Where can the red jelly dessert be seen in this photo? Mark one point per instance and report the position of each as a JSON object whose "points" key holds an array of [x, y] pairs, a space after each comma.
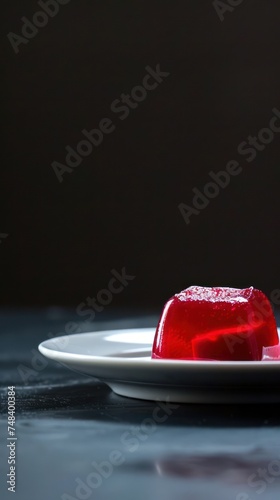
{"points": [[216, 324]]}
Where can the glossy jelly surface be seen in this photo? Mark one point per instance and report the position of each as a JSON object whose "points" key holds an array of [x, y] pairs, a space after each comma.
{"points": [[216, 323]]}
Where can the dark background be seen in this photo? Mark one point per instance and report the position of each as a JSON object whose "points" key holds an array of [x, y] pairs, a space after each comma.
{"points": [[120, 206]]}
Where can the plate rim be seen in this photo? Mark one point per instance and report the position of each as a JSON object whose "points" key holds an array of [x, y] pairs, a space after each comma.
{"points": [[60, 355]]}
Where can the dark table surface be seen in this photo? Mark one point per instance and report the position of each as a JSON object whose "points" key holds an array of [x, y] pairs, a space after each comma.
{"points": [[78, 440]]}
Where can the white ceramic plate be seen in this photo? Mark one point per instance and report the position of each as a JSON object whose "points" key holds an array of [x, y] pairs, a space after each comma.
{"points": [[122, 359]]}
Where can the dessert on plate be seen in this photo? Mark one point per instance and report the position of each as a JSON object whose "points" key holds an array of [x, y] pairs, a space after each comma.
{"points": [[217, 323]]}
